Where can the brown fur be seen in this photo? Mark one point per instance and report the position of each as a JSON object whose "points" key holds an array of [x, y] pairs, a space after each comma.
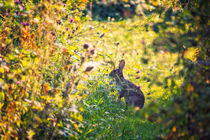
{"points": [[132, 94]]}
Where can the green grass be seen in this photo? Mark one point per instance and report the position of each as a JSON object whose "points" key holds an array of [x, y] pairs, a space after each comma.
{"points": [[104, 116]]}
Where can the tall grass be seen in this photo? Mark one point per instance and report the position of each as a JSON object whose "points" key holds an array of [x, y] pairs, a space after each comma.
{"points": [[107, 118]]}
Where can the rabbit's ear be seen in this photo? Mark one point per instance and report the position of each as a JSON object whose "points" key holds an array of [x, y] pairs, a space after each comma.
{"points": [[122, 64]]}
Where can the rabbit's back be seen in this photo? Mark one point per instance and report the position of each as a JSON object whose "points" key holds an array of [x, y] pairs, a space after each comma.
{"points": [[126, 85]]}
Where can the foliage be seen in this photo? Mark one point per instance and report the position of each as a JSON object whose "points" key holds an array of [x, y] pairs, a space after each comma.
{"points": [[184, 28], [108, 119], [54, 67], [40, 57]]}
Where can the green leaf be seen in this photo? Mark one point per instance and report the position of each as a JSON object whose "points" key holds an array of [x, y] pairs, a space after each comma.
{"points": [[155, 28], [168, 14]]}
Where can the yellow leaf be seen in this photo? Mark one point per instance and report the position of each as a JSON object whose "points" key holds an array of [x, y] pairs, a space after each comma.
{"points": [[76, 126], [1, 105], [18, 123], [1, 70], [137, 108], [30, 71], [30, 133], [24, 63], [174, 129], [6, 86], [81, 109], [155, 2], [80, 118], [2, 96], [90, 130]]}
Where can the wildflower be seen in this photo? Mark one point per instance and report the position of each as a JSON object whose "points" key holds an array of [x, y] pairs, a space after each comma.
{"points": [[53, 33], [92, 52], [82, 59], [71, 20], [89, 68], [102, 35], [24, 23], [18, 82], [46, 87], [22, 7], [138, 71], [139, 87], [17, 1], [68, 62], [138, 77], [70, 68], [65, 51], [66, 67], [118, 43], [39, 46], [21, 14], [69, 84], [7, 14], [86, 46], [142, 41], [64, 4]]}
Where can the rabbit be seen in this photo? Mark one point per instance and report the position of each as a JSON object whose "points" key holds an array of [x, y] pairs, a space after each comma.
{"points": [[132, 94]]}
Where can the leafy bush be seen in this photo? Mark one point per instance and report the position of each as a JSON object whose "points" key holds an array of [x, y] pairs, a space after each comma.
{"points": [[107, 118], [184, 29], [40, 65]]}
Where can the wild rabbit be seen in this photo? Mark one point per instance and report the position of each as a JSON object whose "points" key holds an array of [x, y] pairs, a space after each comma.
{"points": [[132, 94]]}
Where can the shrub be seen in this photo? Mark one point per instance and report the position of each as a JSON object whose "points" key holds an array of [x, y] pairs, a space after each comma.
{"points": [[184, 29], [41, 64]]}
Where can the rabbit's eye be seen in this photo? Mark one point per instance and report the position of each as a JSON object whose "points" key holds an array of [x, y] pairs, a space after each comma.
{"points": [[115, 70]]}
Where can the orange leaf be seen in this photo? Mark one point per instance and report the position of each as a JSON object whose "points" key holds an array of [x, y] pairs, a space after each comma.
{"points": [[190, 88], [174, 129]]}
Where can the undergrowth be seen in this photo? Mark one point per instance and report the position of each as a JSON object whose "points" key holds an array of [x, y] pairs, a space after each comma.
{"points": [[107, 118]]}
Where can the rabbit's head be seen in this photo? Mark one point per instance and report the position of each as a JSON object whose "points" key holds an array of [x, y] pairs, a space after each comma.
{"points": [[118, 73]]}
